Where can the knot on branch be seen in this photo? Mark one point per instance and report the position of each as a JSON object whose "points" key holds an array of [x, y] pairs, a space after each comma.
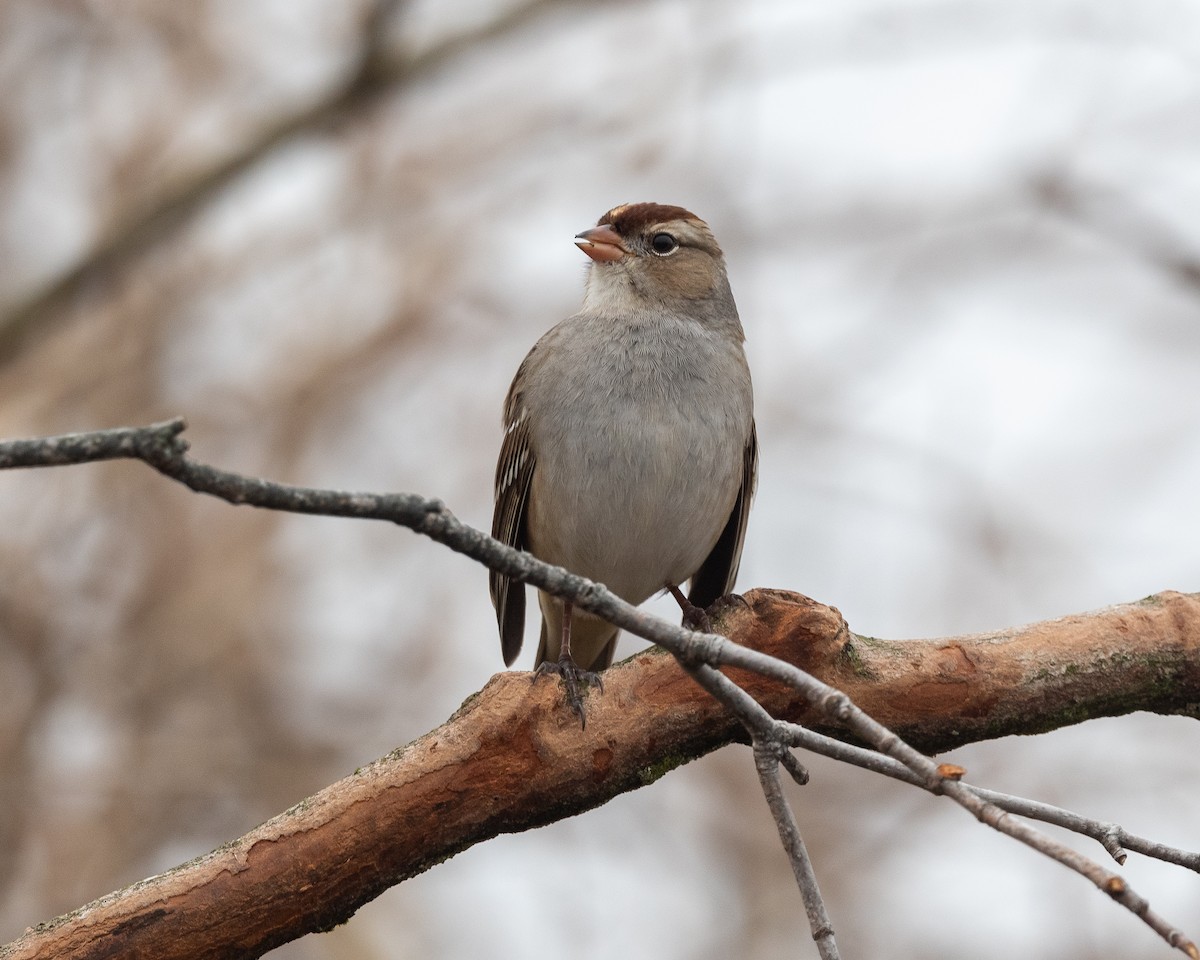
{"points": [[161, 442], [772, 747], [696, 648]]}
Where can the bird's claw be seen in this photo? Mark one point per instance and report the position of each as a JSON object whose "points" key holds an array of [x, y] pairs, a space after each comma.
{"points": [[573, 680], [695, 618], [724, 602]]}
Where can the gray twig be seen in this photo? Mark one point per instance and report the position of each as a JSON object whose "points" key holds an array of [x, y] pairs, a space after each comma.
{"points": [[771, 750], [766, 761], [161, 446], [1113, 837]]}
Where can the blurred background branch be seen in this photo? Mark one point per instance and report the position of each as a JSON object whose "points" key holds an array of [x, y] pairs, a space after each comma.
{"points": [[151, 214]]}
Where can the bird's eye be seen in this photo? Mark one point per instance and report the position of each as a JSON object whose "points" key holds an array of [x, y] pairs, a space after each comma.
{"points": [[663, 244]]}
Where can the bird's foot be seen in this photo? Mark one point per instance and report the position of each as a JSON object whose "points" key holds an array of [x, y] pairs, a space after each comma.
{"points": [[695, 618], [724, 602], [574, 680]]}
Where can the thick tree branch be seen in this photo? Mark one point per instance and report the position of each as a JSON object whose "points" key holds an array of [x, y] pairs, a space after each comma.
{"points": [[513, 758]]}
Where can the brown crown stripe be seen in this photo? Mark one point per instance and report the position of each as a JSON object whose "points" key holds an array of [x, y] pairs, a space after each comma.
{"points": [[632, 218]]}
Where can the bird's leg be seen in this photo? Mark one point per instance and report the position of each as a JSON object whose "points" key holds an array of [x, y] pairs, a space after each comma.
{"points": [[568, 670], [564, 649], [693, 617]]}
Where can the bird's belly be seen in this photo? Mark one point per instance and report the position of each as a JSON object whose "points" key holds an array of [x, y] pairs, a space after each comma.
{"points": [[646, 508]]}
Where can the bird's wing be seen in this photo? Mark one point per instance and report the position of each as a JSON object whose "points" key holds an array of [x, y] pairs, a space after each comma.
{"points": [[514, 473], [717, 574]]}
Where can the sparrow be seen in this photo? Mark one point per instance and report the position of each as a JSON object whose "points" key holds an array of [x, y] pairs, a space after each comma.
{"points": [[630, 452]]}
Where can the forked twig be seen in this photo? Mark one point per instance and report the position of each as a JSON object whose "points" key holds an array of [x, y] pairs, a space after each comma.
{"points": [[161, 446], [770, 751], [1113, 837]]}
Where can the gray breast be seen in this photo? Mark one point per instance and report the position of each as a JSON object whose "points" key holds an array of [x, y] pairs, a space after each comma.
{"points": [[638, 429]]}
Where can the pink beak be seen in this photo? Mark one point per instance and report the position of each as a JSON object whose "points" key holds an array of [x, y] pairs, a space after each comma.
{"points": [[602, 244]]}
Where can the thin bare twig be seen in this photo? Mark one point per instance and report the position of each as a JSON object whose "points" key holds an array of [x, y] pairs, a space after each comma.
{"points": [[772, 736], [767, 757], [1115, 839], [931, 775], [162, 447], [770, 750]]}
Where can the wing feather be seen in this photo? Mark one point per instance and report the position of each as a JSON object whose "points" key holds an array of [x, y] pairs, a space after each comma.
{"points": [[717, 574], [514, 474]]}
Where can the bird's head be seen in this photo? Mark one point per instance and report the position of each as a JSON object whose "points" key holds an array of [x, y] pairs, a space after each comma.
{"points": [[652, 254]]}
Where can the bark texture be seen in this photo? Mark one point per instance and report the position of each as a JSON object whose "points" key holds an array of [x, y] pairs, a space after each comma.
{"points": [[514, 757]]}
